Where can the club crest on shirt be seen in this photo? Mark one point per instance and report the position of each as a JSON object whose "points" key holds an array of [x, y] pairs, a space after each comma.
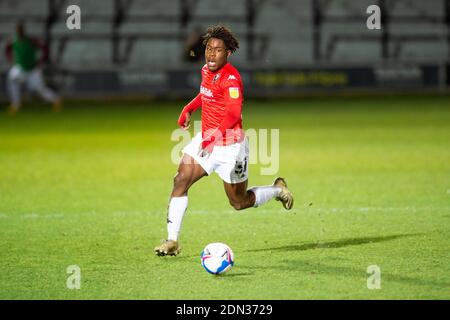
{"points": [[216, 77], [234, 92]]}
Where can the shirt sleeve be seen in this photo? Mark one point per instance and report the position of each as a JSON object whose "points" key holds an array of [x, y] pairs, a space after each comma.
{"points": [[194, 104], [190, 107], [233, 104]]}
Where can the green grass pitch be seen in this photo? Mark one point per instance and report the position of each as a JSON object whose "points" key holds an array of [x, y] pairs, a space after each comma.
{"points": [[89, 187]]}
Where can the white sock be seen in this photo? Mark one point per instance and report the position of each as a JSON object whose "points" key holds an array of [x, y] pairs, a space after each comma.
{"points": [[177, 208], [264, 194]]}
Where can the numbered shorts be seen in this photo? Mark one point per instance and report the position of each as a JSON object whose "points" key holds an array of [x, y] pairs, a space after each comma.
{"points": [[229, 162]]}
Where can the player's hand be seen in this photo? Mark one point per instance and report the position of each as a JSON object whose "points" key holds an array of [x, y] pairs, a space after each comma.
{"points": [[185, 120], [206, 148], [203, 152]]}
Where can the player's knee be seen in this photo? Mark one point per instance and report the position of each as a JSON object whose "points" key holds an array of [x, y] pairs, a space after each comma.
{"points": [[181, 180], [237, 205]]}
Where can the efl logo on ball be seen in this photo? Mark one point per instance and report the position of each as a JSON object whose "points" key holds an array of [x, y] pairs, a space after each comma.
{"points": [[217, 258]]}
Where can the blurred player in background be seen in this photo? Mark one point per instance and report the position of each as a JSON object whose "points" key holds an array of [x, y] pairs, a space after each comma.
{"points": [[22, 53], [195, 49], [221, 146]]}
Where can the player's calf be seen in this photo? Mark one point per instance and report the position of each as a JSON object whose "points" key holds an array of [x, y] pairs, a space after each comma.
{"points": [[181, 183], [241, 203]]}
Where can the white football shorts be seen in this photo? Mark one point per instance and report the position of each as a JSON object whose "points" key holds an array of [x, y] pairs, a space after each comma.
{"points": [[230, 162]]}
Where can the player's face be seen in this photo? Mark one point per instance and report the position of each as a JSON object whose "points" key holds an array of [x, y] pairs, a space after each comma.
{"points": [[216, 54]]}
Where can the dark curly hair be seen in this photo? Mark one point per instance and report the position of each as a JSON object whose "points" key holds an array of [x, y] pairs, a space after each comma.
{"points": [[223, 33]]}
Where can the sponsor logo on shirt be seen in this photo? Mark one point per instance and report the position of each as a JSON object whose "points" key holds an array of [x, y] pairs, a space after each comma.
{"points": [[234, 92], [231, 77], [206, 92]]}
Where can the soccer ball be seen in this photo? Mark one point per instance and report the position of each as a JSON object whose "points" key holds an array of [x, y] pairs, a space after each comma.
{"points": [[217, 258]]}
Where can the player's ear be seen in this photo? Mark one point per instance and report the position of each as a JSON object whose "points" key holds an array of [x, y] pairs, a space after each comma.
{"points": [[228, 53]]}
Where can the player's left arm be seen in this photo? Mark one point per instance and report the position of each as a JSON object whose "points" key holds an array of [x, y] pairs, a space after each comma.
{"points": [[38, 43], [233, 103]]}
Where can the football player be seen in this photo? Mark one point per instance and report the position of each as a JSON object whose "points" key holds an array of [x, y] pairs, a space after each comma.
{"points": [[221, 146], [22, 53]]}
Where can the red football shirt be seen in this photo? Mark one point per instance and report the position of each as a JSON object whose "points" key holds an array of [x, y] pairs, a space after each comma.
{"points": [[221, 98]]}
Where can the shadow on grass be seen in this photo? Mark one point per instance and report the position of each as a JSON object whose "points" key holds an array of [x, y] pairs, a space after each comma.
{"points": [[237, 274], [336, 243], [321, 268], [356, 272]]}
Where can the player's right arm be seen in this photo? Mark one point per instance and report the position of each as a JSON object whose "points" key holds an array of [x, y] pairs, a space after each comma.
{"points": [[9, 52], [185, 116]]}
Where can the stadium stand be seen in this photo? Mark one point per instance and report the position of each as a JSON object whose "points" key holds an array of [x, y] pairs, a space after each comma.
{"points": [[162, 9], [289, 35], [31, 9], [139, 34]]}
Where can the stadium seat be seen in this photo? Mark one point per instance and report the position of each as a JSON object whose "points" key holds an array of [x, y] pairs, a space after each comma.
{"points": [[290, 35], [101, 9], [420, 41], [152, 54], [87, 28], [418, 28], [238, 27], [86, 55], [346, 8], [235, 8], [416, 8], [426, 51], [154, 8], [23, 9], [349, 42], [149, 27]]}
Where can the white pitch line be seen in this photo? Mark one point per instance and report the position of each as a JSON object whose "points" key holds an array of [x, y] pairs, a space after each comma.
{"points": [[300, 210], [367, 209], [30, 216]]}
